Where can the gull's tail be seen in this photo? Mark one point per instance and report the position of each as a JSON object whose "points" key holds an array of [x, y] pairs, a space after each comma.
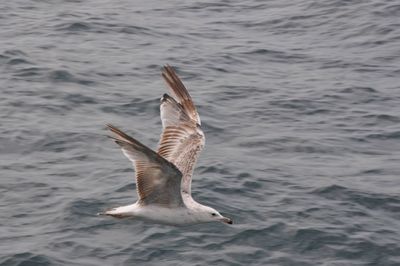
{"points": [[119, 212]]}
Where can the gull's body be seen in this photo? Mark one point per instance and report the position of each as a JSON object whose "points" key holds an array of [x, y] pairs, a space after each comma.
{"points": [[163, 178], [188, 214]]}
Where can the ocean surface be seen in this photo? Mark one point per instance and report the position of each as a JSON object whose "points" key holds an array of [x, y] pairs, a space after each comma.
{"points": [[299, 101]]}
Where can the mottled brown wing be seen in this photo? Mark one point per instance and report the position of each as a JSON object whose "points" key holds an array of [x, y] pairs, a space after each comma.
{"points": [[182, 138], [157, 180]]}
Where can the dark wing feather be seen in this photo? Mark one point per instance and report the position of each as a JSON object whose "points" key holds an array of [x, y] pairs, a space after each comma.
{"points": [[157, 180]]}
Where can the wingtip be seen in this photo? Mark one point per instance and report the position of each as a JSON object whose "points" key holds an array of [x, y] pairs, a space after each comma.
{"points": [[168, 72], [165, 69], [114, 129], [166, 66], [109, 126]]}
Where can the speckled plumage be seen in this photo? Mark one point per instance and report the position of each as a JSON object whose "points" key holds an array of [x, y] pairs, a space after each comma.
{"points": [[163, 178]]}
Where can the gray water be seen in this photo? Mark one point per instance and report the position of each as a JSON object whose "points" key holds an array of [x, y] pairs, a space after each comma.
{"points": [[299, 101]]}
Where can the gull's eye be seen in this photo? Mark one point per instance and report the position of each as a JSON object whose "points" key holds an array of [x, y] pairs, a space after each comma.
{"points": [[213, 214]]}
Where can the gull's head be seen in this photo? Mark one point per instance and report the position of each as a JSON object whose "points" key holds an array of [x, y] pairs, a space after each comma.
{"points": [[211, 215]]}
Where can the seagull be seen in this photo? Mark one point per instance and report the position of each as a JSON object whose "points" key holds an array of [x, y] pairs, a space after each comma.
{"points": [[163, 178]]}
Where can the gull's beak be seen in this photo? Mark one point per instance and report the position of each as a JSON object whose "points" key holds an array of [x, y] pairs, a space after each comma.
{"points": [[226, 220]]}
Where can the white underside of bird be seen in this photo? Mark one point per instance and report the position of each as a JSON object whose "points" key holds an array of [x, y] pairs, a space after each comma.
{"points": [[188, 214], [163, 178]]}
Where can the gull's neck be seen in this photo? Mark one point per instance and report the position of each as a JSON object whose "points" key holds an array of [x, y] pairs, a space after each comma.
{"points": [[190, 202]]}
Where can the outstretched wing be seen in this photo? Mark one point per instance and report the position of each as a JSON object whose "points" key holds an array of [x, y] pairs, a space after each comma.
{"points": [[182, 138], [157, 180]]}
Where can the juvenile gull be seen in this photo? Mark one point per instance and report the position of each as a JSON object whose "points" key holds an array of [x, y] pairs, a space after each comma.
{"points": [[163, 178]]}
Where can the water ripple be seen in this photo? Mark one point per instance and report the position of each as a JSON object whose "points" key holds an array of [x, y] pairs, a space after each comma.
{"points": [[299, 103]]}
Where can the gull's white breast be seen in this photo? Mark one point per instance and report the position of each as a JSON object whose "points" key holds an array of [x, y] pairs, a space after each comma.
{"points": [[175, 216]]}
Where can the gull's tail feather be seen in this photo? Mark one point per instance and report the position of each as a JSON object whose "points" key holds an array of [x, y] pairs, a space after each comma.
{"points": [[115, 212]]}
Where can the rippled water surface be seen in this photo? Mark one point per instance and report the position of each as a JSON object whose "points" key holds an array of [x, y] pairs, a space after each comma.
{"points": [[300, 104]]}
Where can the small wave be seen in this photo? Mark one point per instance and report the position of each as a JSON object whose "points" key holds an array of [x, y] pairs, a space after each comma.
{"points": [[369, 200], [18, 61], [211, 129], [252, 185], [78, 99], [359, 90], [372, 172], [24, 186], [73, 27], [134, 107], [61, 141], [34, 72], [102, 27], [130, 29], [379, 118], [65, 76], [128, 187], [60, 75], [213, 169], [384, 135], [13, 53], [257, 237], [367, 250], [276, 55], [389, 11], [28, 259], [307, 239]]}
